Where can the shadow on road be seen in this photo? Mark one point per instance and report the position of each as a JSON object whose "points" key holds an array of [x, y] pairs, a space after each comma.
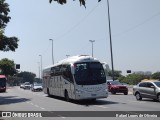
{"points": [[87, 102], [148, 100], [96, 102], [11, 100]]}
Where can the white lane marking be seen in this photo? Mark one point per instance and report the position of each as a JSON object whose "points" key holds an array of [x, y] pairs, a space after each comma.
{"points": [[36, 105], [42, 108], [31, 103]]}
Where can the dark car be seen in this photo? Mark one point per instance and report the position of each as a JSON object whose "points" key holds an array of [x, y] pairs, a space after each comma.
{"points": [[147, 89], [117, 87]]}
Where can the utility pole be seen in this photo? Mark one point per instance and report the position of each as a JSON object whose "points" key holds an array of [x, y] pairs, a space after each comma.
{"points": [[92, 45], [41, 66], [39, 69], [110, 40]]}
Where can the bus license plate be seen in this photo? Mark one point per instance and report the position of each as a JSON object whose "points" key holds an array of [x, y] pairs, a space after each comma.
{"points": [[93, 94]]}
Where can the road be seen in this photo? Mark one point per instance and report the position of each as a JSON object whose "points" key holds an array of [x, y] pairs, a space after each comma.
{"points": [[17, 99]]}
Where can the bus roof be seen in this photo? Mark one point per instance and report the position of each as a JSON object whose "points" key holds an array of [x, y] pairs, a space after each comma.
{"points": [[2, 76], [75, 59]]}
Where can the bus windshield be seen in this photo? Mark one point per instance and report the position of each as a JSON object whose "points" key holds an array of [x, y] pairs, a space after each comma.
{"points": [[89, 73], [2, 82]]}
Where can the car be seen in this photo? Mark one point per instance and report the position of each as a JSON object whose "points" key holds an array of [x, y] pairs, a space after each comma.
{"points": [[114, 86], [36, 87], [125, 84], [27, 85], [22, 85], [147, 89]]}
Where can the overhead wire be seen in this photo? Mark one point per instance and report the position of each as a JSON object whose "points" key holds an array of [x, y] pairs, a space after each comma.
{"points": [[75, 26], [78, 23], [136, 26]]}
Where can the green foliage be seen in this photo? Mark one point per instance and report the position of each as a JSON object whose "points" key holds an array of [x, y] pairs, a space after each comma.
{"points": [[122, 79], [133, 79], [117, 74], [6, 43], [7, 67], [4, 10], [1, 34], [26, 76], [38, 80], [82, 2], [156, 75], [14, 80]]}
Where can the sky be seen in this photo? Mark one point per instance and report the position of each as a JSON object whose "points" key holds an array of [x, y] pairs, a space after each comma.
{"points": [[135, 30]]}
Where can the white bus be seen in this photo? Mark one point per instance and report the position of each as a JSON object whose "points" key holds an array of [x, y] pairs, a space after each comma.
{"points": [[78, 77]]}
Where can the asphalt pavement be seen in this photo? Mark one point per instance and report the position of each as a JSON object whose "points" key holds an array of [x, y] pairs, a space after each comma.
{"points": [[16, 99]]}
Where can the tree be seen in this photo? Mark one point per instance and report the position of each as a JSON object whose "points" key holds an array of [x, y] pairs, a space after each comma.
{"points": [[132, 79], [82, 2], [156, 75], [4, 14], [117, 74], [7, 67], [6, 43], [26, 76]]}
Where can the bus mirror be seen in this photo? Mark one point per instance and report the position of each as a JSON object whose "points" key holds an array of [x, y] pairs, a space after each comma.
{"points": [[72, 69]]}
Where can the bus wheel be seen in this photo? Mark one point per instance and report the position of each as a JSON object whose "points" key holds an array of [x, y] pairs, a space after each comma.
{"points": [[48, 92], [66, 96]]}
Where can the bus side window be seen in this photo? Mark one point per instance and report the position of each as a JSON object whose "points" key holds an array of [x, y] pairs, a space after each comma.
{"points": [[67, 73]]}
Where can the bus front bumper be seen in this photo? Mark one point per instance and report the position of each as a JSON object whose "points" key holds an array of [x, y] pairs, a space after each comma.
{"points": [[84, 96]]}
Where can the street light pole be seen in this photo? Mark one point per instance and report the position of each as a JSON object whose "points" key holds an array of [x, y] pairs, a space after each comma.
{"points": [[110, 40], [41, 65], [92, 45], [39, 69], [52, 51]]}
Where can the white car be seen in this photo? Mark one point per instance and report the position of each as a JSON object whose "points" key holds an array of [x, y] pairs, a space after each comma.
{"points": [[27, 85], [22, 85], [37, 87]]}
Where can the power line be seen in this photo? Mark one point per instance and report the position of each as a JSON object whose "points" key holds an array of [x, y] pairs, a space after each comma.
{"points": [[136, 26], [76, 25]]}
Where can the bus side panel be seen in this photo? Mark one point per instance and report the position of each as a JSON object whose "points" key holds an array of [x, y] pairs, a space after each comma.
{"points": [[72, 89], [45, 86], [61, 87], [66, 86]]}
